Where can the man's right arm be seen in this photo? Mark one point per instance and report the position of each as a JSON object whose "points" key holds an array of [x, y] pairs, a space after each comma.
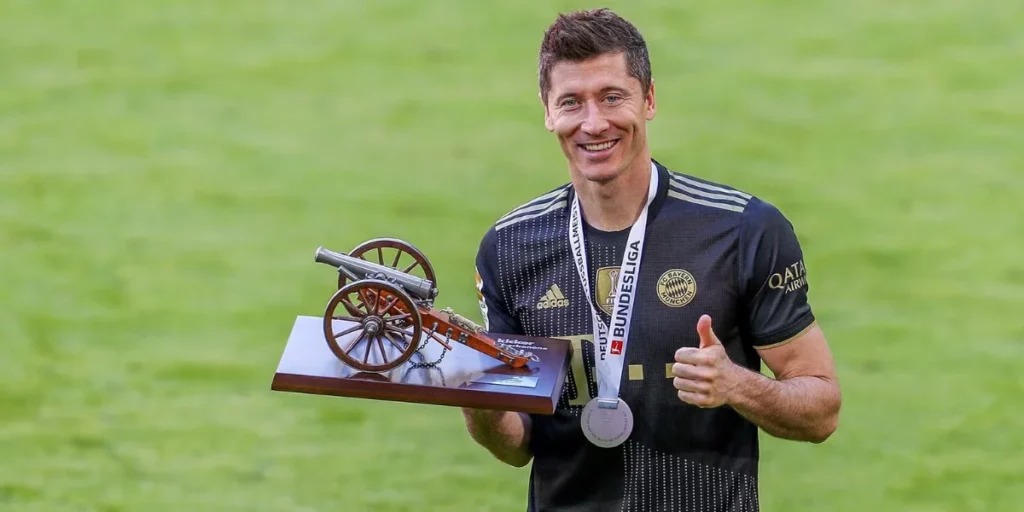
{"points": [[505, 434]]}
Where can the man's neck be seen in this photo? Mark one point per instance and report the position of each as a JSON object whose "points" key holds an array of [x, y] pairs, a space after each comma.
{"points": [[615, 205]]}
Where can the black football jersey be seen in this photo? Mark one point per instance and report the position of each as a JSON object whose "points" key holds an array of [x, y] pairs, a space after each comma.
{"points": [[709, 249]]}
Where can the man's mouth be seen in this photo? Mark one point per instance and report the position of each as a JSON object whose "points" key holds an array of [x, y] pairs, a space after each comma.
{"points": [[600, 146]]}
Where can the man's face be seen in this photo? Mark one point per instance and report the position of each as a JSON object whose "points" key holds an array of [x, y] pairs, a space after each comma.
{"points": [[599, 113]]}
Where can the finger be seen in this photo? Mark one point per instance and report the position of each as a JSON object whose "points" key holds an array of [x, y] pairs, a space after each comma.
{"points": [[691, 386], [707, 335], [694, 398], [690, 355], [692, 372]]}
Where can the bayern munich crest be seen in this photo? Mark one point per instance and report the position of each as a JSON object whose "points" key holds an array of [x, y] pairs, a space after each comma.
{"points": [[676, 288]]}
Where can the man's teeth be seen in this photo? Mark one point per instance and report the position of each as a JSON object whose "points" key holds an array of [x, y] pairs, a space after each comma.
{"points": [[599, 147]]}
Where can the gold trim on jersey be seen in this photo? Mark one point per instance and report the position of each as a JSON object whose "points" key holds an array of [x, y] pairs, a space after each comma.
{"points": [[636, 372], [692, 191], [536, 207], [791, 338]]}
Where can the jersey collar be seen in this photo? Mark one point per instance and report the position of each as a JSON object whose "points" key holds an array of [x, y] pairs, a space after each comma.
{"points": [[659, 197]]}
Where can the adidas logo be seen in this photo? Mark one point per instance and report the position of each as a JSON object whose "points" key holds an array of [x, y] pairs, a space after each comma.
{"points": [[553, 299]]}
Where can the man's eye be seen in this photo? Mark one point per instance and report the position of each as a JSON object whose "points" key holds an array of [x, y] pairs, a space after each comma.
{"points": [[613, 98], [569, 103]]}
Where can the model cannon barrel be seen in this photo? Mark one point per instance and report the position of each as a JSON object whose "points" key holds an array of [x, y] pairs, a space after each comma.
{"points": [[420, 288]]}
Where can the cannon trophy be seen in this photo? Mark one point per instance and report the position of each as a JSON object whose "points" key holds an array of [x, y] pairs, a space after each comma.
{"points": [[388, 309]]}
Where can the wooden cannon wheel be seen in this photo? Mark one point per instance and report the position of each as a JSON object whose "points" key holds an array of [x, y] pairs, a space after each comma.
{"points": [[384, 318]]}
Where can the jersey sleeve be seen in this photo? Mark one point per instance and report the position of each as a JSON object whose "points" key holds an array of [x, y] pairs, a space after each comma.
{"points": [[497, 316], [773, 277]]}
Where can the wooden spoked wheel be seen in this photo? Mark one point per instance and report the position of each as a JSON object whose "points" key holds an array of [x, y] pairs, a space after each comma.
{"points": [[395, 254], [372, 325]]}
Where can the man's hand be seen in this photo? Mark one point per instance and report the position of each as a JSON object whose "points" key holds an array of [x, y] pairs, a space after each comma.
{"points": [[505, 434], [801, 403], [705, 376]]}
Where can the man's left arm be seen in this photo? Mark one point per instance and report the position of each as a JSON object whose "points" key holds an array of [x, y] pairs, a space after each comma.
{"points": [[802, 402]]}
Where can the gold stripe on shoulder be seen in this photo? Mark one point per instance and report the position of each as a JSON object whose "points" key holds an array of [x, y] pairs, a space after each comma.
{"points": [[537, 203], [515, 220], [675, 194], [710, 188], [681, 186]]}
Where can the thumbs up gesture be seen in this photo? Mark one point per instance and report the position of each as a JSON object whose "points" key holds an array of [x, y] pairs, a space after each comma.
{"points": [[704, 375]]}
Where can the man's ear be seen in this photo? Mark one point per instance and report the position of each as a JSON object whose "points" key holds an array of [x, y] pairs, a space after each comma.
{"points": [[548, 123], [650, 105]]}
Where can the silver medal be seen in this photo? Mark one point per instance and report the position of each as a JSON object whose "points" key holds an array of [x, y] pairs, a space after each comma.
{"points": [[607, 423]]}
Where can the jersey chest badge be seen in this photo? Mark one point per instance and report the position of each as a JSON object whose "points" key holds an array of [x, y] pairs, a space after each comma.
{"points": [[676, 288], [604, 287]]}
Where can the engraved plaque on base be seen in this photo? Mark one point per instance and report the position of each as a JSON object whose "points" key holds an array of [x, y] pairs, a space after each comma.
{"points": [[463, 377]]}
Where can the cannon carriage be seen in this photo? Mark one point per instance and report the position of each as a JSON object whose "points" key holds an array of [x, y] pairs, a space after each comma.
{"points": [[382, 308]]}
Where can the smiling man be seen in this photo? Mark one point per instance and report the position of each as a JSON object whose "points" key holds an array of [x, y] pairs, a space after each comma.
{"points": [[673, 291]]}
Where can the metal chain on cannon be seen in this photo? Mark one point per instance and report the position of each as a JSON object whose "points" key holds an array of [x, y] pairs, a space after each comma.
{"points": [[423, 345], [427, 365]]}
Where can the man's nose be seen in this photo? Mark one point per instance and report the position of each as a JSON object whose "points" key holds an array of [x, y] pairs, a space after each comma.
{"points": [[594, 123]]}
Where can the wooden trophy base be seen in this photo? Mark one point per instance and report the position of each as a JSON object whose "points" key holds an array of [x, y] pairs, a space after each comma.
{"points": [[463, 378]]}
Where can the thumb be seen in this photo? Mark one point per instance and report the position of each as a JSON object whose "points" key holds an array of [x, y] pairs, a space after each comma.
{"points": [[707, 336]]}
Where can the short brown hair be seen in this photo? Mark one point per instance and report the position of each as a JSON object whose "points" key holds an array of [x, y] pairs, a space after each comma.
{"points": [[581, 35]]}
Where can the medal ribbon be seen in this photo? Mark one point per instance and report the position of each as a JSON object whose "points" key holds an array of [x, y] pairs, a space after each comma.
{"points": [[611, 341]]}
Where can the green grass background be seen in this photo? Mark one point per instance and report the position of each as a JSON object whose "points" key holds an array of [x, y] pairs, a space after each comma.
{"points": [[167, 168]]}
